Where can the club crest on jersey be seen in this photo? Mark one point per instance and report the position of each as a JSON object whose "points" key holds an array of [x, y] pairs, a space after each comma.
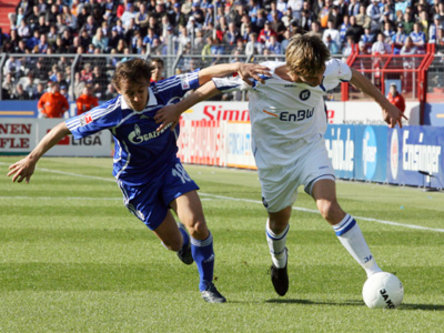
{"points": [[85, 119], [137, 137], [304, 94]]}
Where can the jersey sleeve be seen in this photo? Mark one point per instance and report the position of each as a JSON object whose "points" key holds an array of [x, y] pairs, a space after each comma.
{"points": [[176, 86], [228, 84], [104, 116], [341, 70]]}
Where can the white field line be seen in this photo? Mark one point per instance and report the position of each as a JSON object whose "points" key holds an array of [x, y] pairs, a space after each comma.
{"points": [[222, 197]]}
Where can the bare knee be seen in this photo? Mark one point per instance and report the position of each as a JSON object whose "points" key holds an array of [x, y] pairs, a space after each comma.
{"points": [[173, 244], [197, 228], [278, 221], [330, 210]]}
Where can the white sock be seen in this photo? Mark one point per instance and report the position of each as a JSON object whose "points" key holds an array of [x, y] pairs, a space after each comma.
{"points": [[276, 243], [350, 236]]}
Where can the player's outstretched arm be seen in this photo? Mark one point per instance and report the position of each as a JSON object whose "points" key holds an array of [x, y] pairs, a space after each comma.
{"points": [[245, 70], [392, 115], [171, 113], [24, 168]]}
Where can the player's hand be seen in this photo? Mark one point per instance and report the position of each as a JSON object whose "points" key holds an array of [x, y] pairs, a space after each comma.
{"points": [[167, 115], [392, 115], [21, 170], [253, 71]]}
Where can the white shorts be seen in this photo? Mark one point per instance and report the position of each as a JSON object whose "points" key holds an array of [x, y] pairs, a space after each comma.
{"points": [[279, 185]]}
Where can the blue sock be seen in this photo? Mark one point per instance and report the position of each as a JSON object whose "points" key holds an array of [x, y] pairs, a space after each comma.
{"points": [[185, 236], [203, 255]]}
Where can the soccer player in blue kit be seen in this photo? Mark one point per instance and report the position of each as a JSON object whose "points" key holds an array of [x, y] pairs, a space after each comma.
{"points": [[147, 170]]}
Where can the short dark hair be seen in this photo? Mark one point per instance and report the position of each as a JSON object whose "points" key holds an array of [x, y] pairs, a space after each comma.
{"points": [[133, 70]]}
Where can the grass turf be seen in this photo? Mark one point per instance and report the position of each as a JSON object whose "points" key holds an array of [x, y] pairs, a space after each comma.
{"points": [[73, 259]]}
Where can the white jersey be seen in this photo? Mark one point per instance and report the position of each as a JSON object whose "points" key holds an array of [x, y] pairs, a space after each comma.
{"points": [[285, 114]]}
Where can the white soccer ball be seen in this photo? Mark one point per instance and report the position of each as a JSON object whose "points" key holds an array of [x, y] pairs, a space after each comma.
{"points": [[382, 290]]}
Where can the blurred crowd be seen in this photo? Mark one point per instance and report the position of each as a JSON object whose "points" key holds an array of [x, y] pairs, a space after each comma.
{"points": [[206, 28]]}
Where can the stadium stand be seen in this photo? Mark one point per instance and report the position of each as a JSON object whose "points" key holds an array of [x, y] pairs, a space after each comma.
{"points": [[61, 38], [7, 7]]}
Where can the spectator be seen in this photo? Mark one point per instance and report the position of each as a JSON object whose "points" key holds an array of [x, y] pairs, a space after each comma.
{"points": [[380, 46], [408, 23], [157, 66], [232, 34], [20, 93], [86, 101], [266, 32], [362, 19], [100, 41], [374, 12], [8, 86], [368, 37], [332, 45], [141, 18], [354, 8], [23, 30], [435, 30], [343, 29], [129, 15], [110, 92], [408, 48], [33, 18], [273, 46], [38, 91], [388, 32], [395, 97], [306, 20], [86, 73], [99, 80], [418, 36], [332, 34], [399, 38], [52, 104]]}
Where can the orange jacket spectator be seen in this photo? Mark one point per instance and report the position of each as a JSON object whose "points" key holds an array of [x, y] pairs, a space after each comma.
{"points": [[86, 101], [53, 104], [396, 98]]}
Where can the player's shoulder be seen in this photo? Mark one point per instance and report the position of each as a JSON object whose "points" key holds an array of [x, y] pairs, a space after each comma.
{"points": [[336, 67], [272, 65]]}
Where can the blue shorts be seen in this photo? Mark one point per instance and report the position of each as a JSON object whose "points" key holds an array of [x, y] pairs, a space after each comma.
{"points": [[150, 202]]}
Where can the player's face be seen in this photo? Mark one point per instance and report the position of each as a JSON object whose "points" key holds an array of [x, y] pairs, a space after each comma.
{"points": [[312, 80], [135, 94]]}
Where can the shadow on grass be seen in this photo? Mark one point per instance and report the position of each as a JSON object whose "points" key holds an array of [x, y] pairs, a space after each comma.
{"points": [[404, 306], [309, 302]]}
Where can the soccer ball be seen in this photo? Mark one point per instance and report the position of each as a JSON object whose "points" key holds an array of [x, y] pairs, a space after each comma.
{"points": [[382, 290]]}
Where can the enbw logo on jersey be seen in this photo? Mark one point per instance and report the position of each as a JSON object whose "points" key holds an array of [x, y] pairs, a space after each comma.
{"points": [[369, 153], [304, 94]]}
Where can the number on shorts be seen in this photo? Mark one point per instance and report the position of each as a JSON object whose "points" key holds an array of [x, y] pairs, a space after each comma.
{"points": [[179, 171]]}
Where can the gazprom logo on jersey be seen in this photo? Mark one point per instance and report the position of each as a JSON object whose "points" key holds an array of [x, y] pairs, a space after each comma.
{"points": [[369, 153], [137, 137]]}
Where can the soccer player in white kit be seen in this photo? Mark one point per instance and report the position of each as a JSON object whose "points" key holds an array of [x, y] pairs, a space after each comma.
{"points": [[288, 123]]}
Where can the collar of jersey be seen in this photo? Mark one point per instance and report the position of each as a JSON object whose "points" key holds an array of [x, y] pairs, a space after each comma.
{"points": [[152, 100]]}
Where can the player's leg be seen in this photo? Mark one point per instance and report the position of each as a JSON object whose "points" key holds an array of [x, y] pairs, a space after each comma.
{"points": [[189, 210], [276, 232], [169, 233], [279, 192], [344, 225]]}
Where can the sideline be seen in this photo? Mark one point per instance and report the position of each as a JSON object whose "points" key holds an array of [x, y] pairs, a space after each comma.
{"points": [[209, 195]]}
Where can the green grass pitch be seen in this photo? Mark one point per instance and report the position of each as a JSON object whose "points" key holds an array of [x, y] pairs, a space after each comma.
{"points": [[73, 259]]}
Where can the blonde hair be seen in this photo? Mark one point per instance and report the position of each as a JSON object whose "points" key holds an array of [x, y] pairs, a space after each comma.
{"points": [[306, 54]]}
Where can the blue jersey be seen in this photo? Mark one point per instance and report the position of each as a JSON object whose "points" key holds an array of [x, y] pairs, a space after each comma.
{"points": [[141, 153]]}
